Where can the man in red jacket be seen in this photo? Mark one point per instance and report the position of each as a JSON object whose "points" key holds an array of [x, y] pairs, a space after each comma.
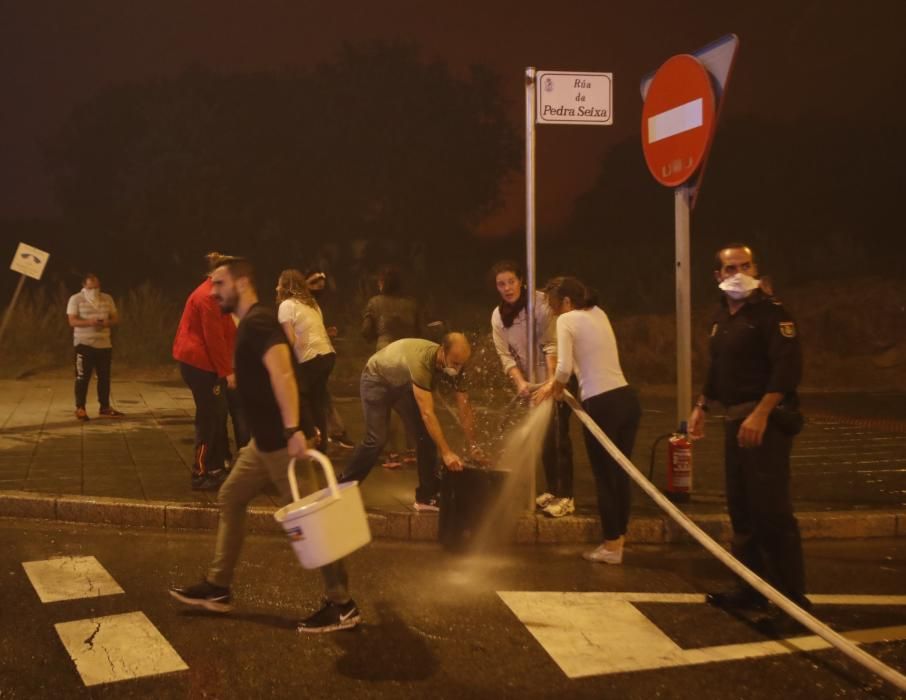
{"points": [[204, 346]]}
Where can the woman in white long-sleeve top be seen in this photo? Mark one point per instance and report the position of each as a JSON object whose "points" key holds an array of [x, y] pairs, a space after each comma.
{"points": [[508, 328], [587, 346]]}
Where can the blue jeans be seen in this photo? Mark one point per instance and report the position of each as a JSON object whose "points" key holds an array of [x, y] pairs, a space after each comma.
{"points": [[378, 398]]}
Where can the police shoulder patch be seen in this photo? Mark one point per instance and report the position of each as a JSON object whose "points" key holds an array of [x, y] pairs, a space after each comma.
{"points": [[788, 329]]}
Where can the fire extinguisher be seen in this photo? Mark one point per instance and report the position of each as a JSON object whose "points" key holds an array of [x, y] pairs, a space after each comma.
{"points": [[679, 464]]}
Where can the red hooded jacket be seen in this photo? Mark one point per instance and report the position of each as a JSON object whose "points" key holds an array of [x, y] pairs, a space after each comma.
{"points": [[206, 336]]}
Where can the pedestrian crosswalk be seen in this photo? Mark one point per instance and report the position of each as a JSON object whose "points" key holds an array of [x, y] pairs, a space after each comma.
{"points": [[599, 633], [104, 649]]}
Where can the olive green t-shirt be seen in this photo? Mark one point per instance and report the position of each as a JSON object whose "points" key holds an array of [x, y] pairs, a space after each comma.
{"points": [[410, 360]]}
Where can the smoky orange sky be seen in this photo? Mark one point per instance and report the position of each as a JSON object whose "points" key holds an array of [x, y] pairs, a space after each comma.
{"points": [[796, 58]]}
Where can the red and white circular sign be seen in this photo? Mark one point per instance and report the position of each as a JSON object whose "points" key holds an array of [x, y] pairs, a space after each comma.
{"points": [[678, 120]]}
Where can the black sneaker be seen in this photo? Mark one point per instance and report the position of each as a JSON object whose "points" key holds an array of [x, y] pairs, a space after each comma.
{"points": [[738, 599], [332, 617], [210, 481], [108, 412], [204, 595]]}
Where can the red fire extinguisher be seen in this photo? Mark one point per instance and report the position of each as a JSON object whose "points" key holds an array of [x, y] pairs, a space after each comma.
{"points": [[679, 464]]}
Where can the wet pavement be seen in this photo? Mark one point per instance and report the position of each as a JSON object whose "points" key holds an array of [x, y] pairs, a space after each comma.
{"points": [[532, 622], [851, 455]]}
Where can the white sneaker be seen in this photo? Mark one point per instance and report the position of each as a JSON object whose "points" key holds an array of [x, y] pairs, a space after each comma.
{"points": [[603, 556], [560, 507], [544, 500], [432, 506]]}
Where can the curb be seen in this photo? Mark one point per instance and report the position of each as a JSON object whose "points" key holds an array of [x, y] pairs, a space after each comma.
{"points": [[422, 527]]}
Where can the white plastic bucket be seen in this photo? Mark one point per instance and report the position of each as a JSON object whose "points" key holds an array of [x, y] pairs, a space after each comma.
{"points": [[328, 524]]}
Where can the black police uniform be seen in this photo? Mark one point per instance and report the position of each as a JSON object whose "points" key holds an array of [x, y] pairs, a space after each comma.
{"points": [[754, 352]]}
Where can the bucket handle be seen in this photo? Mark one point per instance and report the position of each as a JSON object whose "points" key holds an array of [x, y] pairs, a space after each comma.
{"points": [[326, 467]]}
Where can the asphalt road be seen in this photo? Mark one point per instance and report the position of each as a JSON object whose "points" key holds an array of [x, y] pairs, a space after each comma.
{"points": [[521, 624]]}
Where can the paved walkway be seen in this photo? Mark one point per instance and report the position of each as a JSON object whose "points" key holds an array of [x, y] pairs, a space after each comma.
{"points": [[840, 462]]}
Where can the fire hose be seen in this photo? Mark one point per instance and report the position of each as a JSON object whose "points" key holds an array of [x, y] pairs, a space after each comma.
{"points": [[807, 620]]}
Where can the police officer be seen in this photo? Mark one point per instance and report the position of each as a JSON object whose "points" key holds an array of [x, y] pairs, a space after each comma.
{"points": [[755, 367]]}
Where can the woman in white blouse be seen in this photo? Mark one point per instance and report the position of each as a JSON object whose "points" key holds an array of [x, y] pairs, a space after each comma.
{"points": [[303, 323], [587, 347]]}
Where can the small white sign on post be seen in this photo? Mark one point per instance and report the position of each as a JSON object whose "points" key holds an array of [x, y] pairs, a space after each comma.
{"points": [[574, 98], [29, 261]]}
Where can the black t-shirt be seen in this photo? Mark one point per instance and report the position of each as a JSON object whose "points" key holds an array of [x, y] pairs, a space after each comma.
{"points": [[754, 352], [258, 332]]}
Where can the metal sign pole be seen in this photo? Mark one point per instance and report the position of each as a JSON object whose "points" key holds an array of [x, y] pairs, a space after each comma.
{"points": [[681, 198], [530, 241], [530, 216], [12, 305]]}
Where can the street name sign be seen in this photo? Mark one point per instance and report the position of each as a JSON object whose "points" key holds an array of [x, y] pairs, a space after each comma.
{"points": [[574, 98]]}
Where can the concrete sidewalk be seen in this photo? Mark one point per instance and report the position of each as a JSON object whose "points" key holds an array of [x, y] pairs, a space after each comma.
{"points": [[135, 470]]}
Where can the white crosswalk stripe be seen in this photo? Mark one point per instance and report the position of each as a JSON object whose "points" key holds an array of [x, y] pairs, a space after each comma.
{"points": [[70, 578], [118, 648]]}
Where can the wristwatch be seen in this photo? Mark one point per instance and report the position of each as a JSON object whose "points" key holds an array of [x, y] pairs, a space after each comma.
{"points": [[289, 432]]}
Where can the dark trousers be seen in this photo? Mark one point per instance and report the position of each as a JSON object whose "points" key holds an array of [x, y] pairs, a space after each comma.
{"points": [[557, 451], [765, 531], [312, 376], [378, 399], [211, 442], [87, 361], [618, 413]]}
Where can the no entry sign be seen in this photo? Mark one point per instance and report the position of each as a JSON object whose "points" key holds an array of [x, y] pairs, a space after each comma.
{"points": [[678, 120]]}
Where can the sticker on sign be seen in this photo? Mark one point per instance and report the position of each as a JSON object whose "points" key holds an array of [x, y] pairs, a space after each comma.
{"points": [[29, 261], [574, 98]]}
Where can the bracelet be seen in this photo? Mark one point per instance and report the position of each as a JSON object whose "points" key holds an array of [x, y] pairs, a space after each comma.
{"points": [[289, 432]]}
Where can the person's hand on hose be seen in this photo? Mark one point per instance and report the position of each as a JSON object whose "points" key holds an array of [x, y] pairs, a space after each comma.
{"points": [[542, 393], [452, 461], [523, 388]]}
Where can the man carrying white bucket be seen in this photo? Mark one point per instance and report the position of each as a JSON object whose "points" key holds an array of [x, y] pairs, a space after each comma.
{"points": [[267, 390], [402, 376]]}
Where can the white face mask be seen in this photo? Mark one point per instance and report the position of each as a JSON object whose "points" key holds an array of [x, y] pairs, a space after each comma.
{"points": [[451, 371], [91, 294], [739, 286]]}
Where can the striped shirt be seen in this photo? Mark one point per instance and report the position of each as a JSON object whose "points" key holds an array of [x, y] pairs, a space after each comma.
{"points": [[80, 307]]}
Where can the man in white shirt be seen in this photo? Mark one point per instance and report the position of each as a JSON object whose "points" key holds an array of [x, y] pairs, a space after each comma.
{"points": [[91, 315]]}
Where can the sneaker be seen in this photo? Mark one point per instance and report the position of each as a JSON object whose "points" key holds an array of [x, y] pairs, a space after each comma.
{"points": [[603, 555], [560, 507], [82, 415], [109, 412], [210, 481], [544, 500], [204, 595], [342, 441], [332, 617], [430, 506], [409, 457], [741, 598]]}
